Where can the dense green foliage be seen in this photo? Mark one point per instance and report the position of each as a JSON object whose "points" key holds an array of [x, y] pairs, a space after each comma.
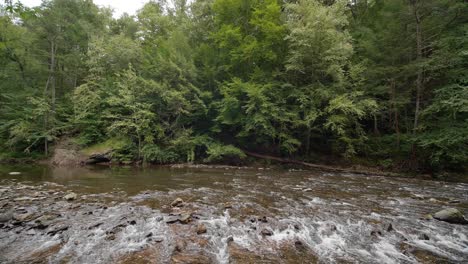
{"points": [[381, 80]]}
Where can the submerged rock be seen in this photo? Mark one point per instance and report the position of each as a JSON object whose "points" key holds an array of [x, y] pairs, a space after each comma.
{"points": [[201, 229], [424, 237], [451, 215]]}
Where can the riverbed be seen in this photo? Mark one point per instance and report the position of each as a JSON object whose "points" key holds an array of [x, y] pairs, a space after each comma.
{"points": [[225, 215]]}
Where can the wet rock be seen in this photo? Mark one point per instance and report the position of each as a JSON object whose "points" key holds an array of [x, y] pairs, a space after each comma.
{"points": [[427, 217], [227, 205], [299, 245], [70, 196], [23, 199], [95, 226], [172, 219], [5, 217], [180, 245], [26, 217], [185, 218], [132, 222], [424, 237], [201, 229], [389, 228], [454, 201], [57, 229], [266, 232], [263, 219], [376, 233], [451, 215], [177, 202], [110, 237], [44, 221]]}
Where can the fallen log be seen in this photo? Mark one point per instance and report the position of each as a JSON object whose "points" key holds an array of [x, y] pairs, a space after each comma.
{"points": [[320, 167]]}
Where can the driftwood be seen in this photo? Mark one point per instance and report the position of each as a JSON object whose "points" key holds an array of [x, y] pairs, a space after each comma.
{"points": [[320, 167]]}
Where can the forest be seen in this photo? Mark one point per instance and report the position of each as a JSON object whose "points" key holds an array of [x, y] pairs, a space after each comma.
{"points": [[375, 82]]}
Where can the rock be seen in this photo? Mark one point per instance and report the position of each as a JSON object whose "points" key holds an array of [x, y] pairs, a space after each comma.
{"points": [[454, 201], [263, 219], [22, 199], [149, 235], [266, 232], [158, 239], [180, 246], [133, 222], [424, 237], [389, 228], [451, 215], [6, 217], [227, 205], [70, 196], [376, 233], [201, 229], [230, 239], [427, 217], [26, 217], [185, 218], [177, 202], [299, 245], [14, 173], [103, 157], [172, 219], [57, 229]]}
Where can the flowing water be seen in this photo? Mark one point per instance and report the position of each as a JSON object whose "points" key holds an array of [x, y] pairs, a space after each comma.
{"points": [[124, 215]]}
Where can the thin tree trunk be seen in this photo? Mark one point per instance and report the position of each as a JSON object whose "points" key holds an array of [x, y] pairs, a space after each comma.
{"points": [[396, 124], [419, 79]]}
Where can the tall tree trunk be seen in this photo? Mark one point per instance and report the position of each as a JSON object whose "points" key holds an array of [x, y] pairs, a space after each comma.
{"points": [[396, 124], [49, 115], [419, 79]]}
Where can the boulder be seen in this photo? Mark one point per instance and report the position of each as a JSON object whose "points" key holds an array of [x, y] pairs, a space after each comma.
{"points": [[451, 215]]}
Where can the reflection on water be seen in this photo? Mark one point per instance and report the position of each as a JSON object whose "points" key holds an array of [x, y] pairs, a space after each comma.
{"points": [[251, 216]]}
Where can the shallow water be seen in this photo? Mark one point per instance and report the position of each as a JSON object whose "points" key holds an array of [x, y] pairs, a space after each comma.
{"points": [[251, 216]]}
